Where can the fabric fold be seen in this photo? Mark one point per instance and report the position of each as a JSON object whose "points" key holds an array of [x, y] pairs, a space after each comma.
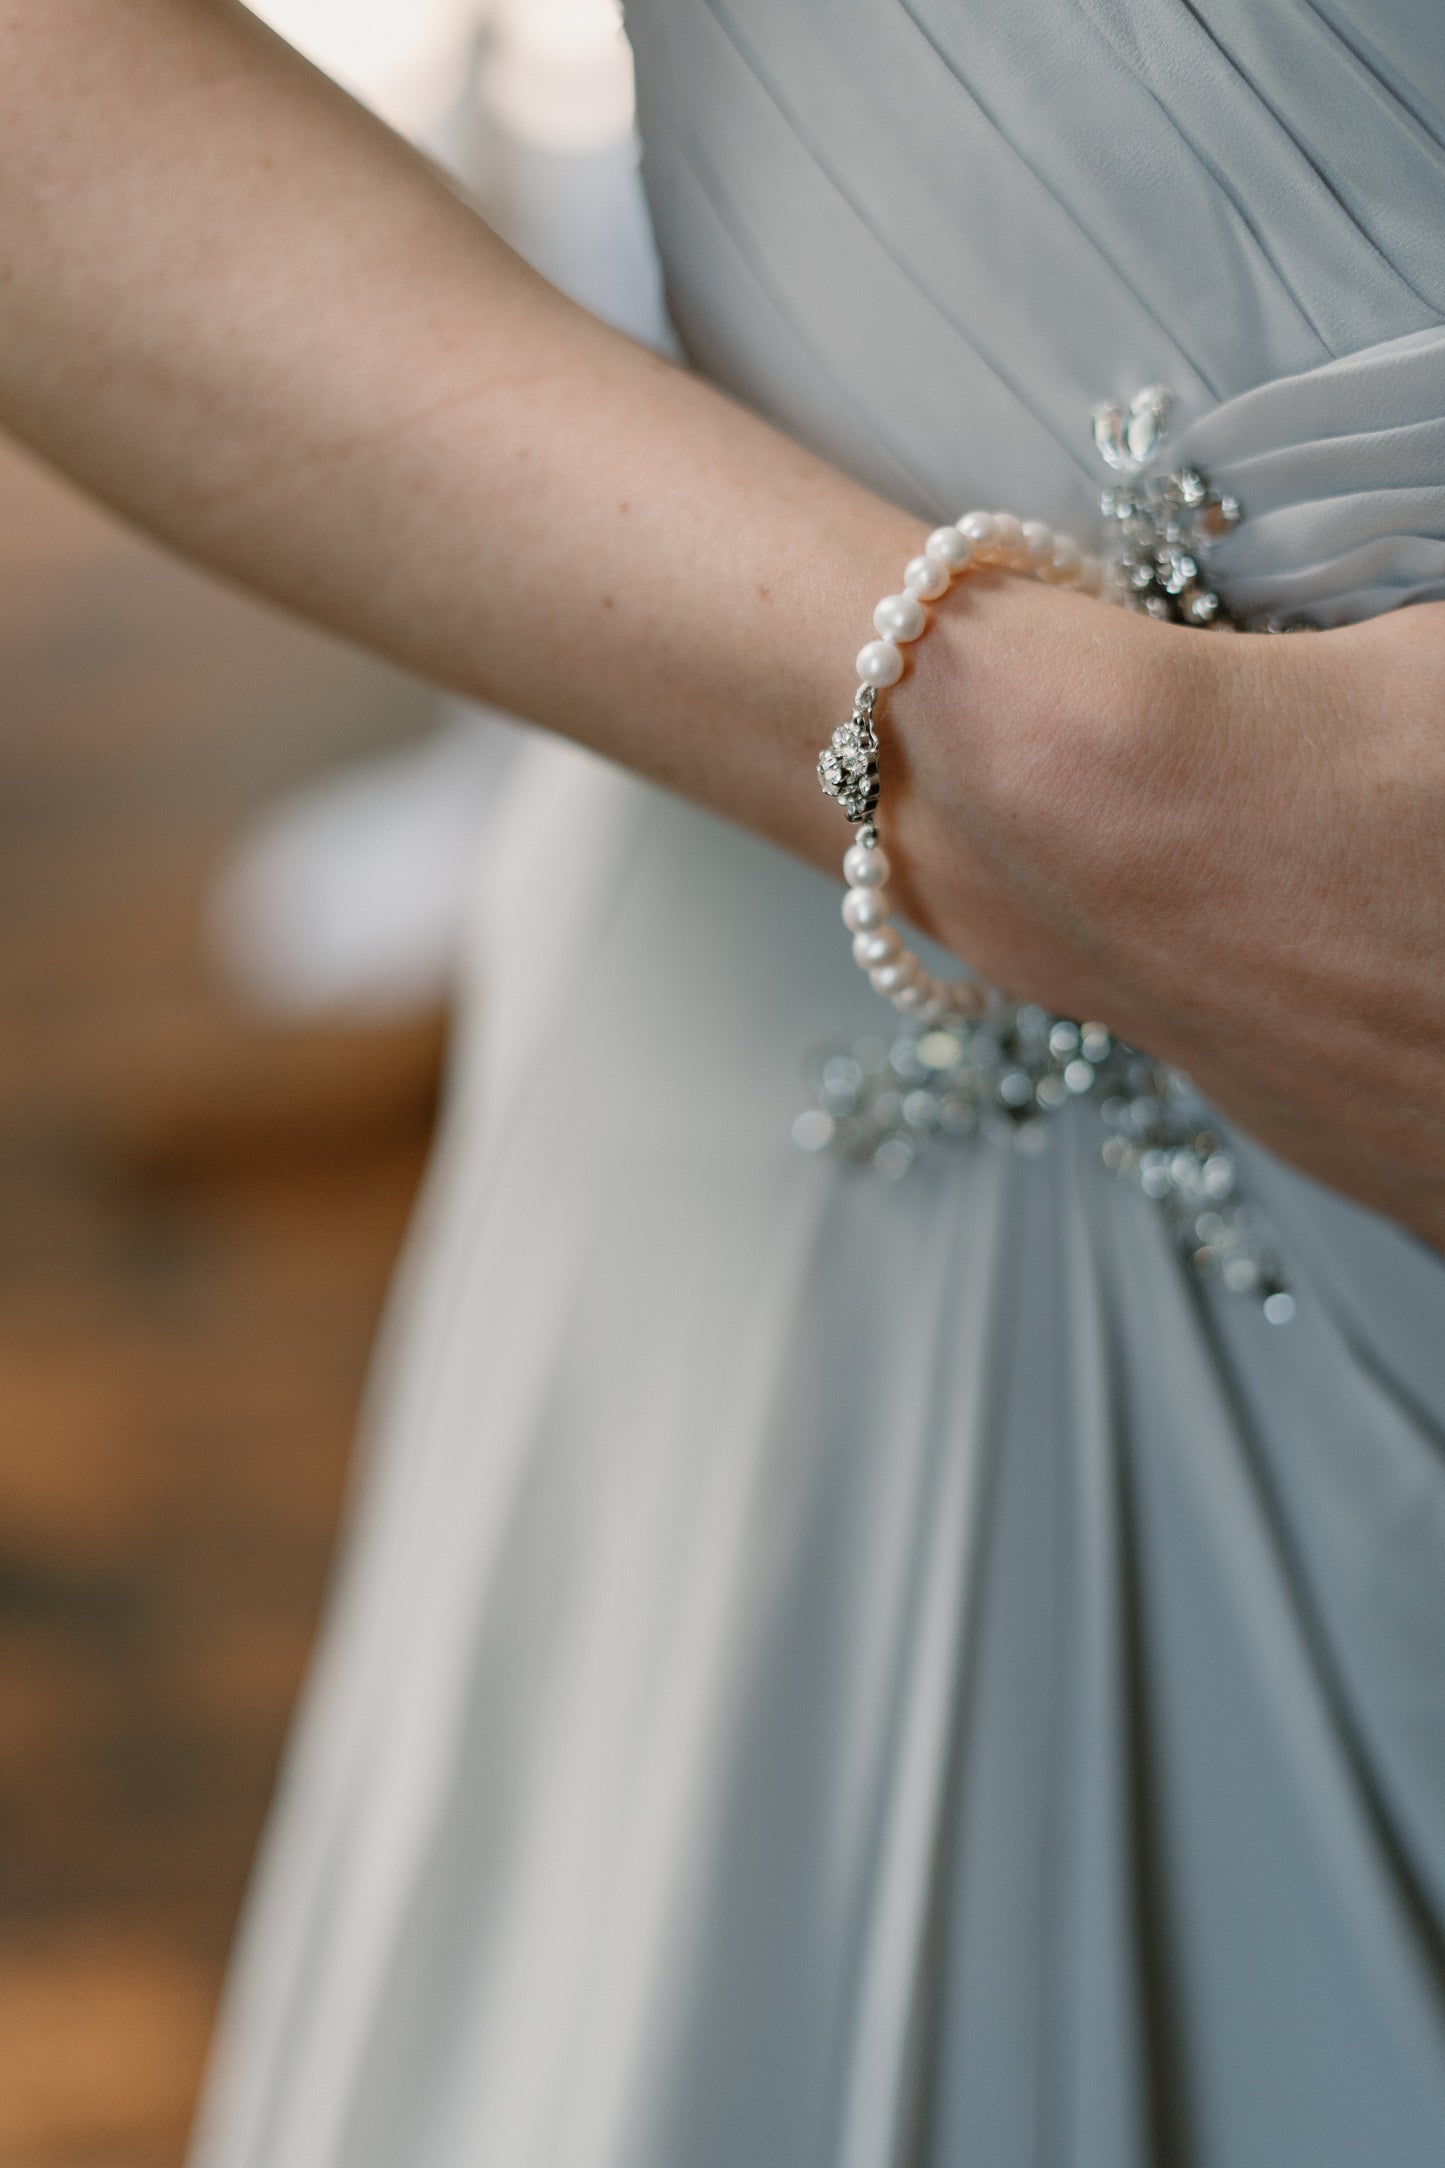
{"points": [[1341, 473]]}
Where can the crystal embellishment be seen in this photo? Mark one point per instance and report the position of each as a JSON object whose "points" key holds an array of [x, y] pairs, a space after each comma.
{"points": [[882, 1104], [1127, 438], [1159, 528]]}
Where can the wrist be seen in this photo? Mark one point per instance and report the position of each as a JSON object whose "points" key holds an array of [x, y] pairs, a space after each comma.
{"points": [[927, 816]]}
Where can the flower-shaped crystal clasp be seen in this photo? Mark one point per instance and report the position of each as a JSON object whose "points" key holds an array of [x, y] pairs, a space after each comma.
{"points": [[848, 763]]}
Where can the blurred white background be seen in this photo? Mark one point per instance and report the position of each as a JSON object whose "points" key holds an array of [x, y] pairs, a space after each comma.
{"points": [[350, 896]]}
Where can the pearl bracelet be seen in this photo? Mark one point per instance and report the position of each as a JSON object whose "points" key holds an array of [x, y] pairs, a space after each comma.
{"points": [[848, 766], [984, 1065]]}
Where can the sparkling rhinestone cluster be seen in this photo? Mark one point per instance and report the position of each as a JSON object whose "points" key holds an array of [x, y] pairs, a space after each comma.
{"points": [[882, 1103], [1159, 527], [848, 765]]}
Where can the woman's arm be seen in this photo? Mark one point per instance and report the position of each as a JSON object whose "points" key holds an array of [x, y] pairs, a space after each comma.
{"points": [[243, 312]]}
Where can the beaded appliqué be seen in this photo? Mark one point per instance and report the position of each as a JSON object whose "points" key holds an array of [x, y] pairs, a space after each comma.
{"points": [[883, 1102], [1159, 528]]}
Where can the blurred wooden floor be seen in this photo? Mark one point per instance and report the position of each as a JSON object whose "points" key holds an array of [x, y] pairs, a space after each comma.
{"points": [[197, 1220]]}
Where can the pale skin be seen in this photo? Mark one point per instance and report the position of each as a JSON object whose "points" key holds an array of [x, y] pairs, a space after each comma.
{"points": [[239, 310]]}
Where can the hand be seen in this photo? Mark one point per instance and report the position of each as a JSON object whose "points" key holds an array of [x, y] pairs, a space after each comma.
{"points": [[1229, 849]]}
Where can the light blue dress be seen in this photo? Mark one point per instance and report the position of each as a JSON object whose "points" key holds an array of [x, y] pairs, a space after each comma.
{"points": [[838, 1675]]}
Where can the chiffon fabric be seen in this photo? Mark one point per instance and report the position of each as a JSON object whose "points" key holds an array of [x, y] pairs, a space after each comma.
{"points": [[837, 1674]]}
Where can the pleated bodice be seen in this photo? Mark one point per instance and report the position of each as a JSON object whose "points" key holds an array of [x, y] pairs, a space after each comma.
{"points": [[928, 236]]}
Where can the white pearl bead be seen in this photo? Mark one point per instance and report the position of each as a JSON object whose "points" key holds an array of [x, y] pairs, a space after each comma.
{"points": [[1064, 562], [1038, 542], [879, 663], [1090, 576], [891, 977], [978, 527], [908, 998], [949, 547], [864, 868], [926, 578], [900, 617], [872, 949], [1008, 539], [865, 910], [934, 1007]]}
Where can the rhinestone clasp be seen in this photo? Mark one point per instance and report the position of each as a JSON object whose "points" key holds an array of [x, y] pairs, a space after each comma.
{"points": [[848, 764]]}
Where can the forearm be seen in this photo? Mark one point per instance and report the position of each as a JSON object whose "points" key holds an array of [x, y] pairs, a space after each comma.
{"points": [[246, 314]]}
